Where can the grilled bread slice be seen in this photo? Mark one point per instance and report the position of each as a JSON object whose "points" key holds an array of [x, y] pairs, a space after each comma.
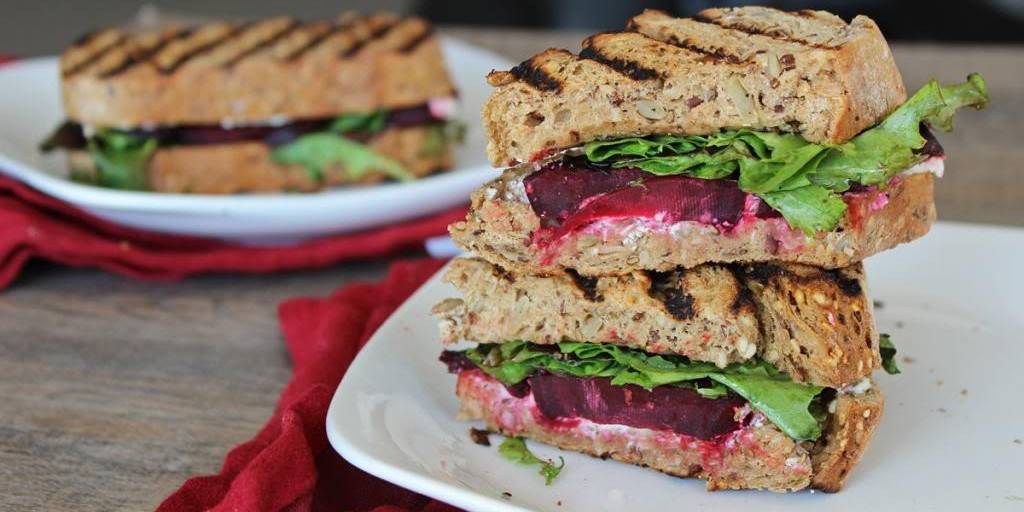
{"points": [[814, 324], [247, 73], [760, 456], [500, 226], [807, 72], [242, 167]]}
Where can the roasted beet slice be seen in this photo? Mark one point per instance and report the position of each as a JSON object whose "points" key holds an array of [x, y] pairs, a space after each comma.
{"points": [[570, 195], [559, 188], [678, 409]]}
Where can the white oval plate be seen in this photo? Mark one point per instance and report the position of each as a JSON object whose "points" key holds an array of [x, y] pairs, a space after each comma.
{"points": [[30, 109], [950, 438]]}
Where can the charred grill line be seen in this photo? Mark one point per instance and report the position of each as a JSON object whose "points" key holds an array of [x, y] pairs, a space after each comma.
{"points": [[712, 54], [376, 34], [667, 287], [776, 34], [623, 66], [336, 28], [528, 72], [744, 296], [145, 55], [205, 48], [586, 284], [420, 38], [265, 43], [95, 56]]}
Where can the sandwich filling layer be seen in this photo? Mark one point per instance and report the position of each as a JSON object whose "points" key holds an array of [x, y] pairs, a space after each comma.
{"points": [[617, 385], [732, 177], [118, 158]]}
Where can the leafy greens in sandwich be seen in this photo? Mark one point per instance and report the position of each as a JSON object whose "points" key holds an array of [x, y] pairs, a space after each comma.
{"points": [[801, 180]]}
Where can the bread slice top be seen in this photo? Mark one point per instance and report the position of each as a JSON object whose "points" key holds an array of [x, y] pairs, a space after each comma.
{"points": [[254, 72], [805, 72]]}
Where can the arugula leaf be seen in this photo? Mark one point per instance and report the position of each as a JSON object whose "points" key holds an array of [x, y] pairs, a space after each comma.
{"points": [[799, 179], [316, 151], [370, 122], [121, 159], [784, 402], [888, 352], [515, 450]]}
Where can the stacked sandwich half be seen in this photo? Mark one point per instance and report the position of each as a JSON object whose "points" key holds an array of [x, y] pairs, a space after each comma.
{"points": [[668, 273]]}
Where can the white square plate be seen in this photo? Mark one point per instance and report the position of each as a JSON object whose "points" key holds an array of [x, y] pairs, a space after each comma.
{"points": [[30, 109], [950, 438]]}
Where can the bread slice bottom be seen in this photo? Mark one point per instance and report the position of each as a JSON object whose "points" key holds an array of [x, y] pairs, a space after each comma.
{"points": [[757, 456], [247, 167]]}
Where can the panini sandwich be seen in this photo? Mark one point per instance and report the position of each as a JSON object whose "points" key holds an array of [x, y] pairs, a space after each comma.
{"points": [[669, 272], [743, 134], [273, 105]]}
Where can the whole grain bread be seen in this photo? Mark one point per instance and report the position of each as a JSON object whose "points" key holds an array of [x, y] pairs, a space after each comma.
{"points": [[815, 324], [806, 72], [247, 166], [500, 225], [239, 73], [763, 457]]}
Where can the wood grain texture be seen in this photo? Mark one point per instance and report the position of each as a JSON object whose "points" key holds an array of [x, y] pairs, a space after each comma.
{"points": [[115, 391]]}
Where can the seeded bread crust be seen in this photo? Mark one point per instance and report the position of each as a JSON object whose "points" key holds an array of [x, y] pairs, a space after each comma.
{"points": [[501, 222], [806, 72], [762, 457], [252, 73], [816, 325], [247, 167]]}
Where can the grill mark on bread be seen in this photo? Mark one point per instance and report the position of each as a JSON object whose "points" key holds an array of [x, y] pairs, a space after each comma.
{"points": [[417, 40], [145, 55], [847, 285], [586, 284], [777, 34], [267, 42], [744, 296], [95, 56], [528, 71], [618, 64], [711, 54], [204, 48], [667, 287], [333, 29], [765, 272], [378, 33]]}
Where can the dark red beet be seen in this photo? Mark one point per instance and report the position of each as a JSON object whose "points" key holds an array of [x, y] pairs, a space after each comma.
{"points": [[569, 195], [680, 410]]}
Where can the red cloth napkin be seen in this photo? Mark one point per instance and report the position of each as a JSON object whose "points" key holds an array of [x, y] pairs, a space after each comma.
{"points": [[34, 225], [289, 466]]}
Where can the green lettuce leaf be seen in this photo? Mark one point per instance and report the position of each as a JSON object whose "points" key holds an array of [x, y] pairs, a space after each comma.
{"points": [[888, 352], [786, 403], [370, 122], [515, 450], [316, 151], [801, 180], [879, 153], [809, 208], [121, 159]]}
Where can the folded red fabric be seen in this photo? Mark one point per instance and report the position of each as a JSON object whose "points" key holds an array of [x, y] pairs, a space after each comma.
{"points": [[289, 464], [34, 225]]}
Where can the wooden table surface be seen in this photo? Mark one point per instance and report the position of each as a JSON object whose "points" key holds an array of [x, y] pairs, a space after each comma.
{"points": [[115, 391]]}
